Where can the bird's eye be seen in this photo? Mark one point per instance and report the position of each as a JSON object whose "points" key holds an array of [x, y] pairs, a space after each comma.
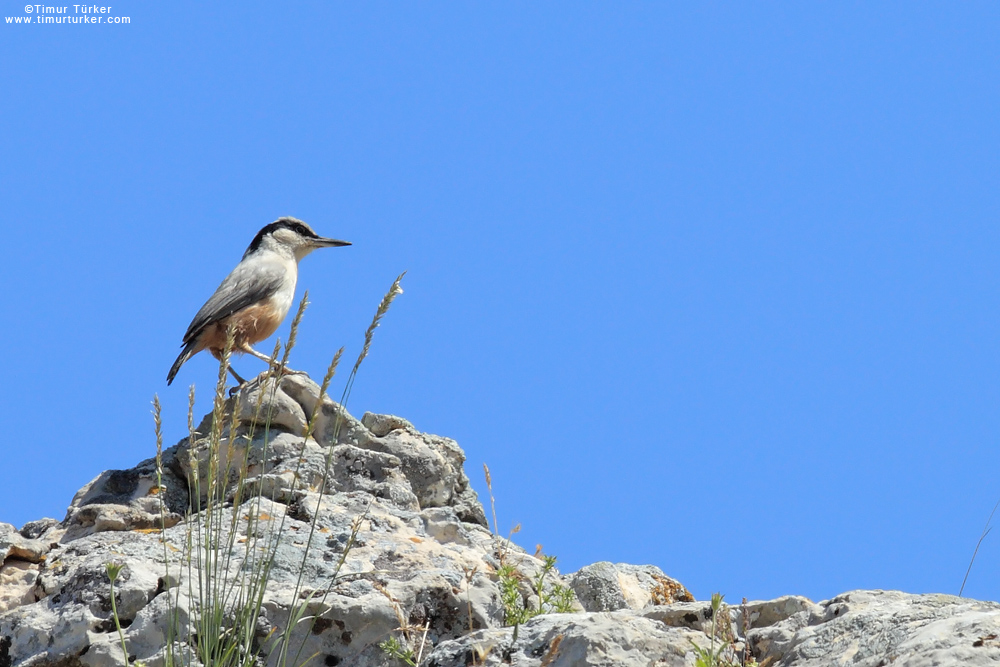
{"points": [[301, 230]]}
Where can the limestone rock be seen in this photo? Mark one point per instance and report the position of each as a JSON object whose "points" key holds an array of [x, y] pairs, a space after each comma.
{"points": [[383, 425], [873, 628], [422, 556], [15, 545], [17, 583], [698, 615], [370, 531], [574, 640], [396, 461], [129, 499], [608, 586], [21, 555]]}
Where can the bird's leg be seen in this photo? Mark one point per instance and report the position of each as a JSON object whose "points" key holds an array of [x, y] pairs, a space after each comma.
{"points": [[270, 361], [237, 376], [259, 355], [241, 381], [218, 355]]}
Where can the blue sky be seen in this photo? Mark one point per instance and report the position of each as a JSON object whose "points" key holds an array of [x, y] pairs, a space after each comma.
{"points": [[713, 287]]}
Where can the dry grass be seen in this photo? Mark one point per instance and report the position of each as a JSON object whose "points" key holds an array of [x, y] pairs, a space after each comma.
{"points": [[224, 616]]}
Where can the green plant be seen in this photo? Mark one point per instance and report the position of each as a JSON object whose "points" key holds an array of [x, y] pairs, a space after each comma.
{"points": [[113, 570], [406, 647], [723, 655], [395, 649], [555, 598], [403, 650], [224, 618], [514, 611], [552, 599]]}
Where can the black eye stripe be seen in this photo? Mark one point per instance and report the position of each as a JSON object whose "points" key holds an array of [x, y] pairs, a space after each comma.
{"points": [[280, 223]]}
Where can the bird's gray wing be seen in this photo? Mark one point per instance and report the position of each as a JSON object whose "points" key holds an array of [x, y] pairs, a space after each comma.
{"points": [[245, 286]]}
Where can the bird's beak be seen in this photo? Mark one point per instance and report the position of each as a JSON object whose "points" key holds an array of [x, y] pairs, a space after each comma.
{"points": [[328, 243]]}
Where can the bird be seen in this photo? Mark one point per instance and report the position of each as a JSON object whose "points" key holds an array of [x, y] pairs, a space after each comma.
{"points": [[256, 296]]}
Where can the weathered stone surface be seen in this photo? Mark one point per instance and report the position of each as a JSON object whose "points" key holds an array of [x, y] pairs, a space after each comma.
{"points": [[698, 615], [394, 571], [875, 628], [396, 461], [608, 586], [129, 499], [763, 613], [383, 425], [422, 565], [39, 528], [574, 640], [17, 583], [15, 545], [21, 553], [422, 557]]}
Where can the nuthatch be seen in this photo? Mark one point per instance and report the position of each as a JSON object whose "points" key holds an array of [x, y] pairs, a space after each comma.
{"points": [[256, 296]]}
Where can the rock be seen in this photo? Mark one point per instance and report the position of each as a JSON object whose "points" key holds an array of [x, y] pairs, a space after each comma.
{"points": [[368, 530], [383, 425], [129, 500], [574, 640], [770, 612], [873, 628], [14, 545], [17, 583], [395, 462], [698, 615], [691, 615], [421, 555], [21, 553], [34, 530], [608, 586]]}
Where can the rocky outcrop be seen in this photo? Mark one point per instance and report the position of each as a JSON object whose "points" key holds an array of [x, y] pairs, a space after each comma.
{"points": [[371, 532], [874, 628], [612, 586]]}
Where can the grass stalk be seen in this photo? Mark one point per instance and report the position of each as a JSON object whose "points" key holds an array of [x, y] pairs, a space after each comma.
{"points": [[986, 531], [113, 570], [226, 605], [161, 494], [394, 290]]}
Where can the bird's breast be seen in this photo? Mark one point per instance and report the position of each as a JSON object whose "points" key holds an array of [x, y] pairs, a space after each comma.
{"points": [[258, 321]]}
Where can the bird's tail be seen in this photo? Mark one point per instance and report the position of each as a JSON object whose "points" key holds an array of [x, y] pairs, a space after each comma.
{"points": [[185, 354]]}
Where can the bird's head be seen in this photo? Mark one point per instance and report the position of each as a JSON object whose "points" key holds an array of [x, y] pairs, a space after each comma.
{"points": [[290, 235]]}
